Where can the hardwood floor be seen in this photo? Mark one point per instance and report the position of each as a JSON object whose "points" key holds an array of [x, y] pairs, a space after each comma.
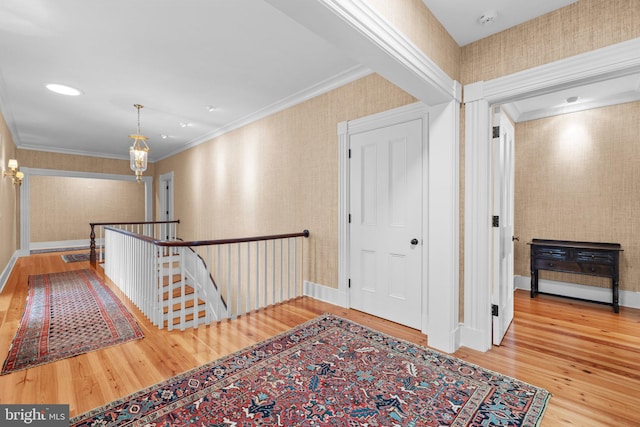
{"points": [[584, 354]]}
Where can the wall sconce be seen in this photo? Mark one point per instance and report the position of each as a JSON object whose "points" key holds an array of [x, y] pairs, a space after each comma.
{"points": [[15, 174]]}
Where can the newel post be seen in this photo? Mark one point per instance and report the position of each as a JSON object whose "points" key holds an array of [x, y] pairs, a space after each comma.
{"points": [[92, 245]]}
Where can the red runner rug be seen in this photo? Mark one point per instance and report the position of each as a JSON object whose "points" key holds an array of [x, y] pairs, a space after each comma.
{"points": [[75, 257], [67, 314], [330, 372]]}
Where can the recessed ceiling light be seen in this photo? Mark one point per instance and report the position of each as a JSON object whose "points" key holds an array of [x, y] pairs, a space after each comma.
{"points": [[572, 99], [63, 89], [184, 124], [210, 108], [163, 136]]}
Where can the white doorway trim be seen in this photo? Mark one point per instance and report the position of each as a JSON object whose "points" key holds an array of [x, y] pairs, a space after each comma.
{"points": [[25, 207], [440, 214], [386, 119], [598, 65], [166, 197]]}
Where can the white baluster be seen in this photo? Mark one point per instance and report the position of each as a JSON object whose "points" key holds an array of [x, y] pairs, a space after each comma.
{"points": [[232, 313], [288, 269], [266, 272], [258, 277], [239, 284], [281, 271], [295, 267]]}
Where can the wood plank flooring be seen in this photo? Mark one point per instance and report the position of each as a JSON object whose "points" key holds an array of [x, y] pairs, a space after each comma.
{"points": [[584, 354]]}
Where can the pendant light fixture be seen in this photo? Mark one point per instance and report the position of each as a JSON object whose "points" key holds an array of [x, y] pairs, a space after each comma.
{"points": [[139, 151]]}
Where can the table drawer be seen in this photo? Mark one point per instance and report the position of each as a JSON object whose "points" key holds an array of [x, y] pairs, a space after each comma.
{"points": [[567, 266], [594, 256], [551, 253], [597, 269]]}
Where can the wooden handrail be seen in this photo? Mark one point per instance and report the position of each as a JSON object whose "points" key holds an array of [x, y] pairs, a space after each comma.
{"points": [[92, 235], [173, 243], [176, 221]]}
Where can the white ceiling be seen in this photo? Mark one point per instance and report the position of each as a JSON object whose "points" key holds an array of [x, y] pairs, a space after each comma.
{"points": [[176, 58], [595, 95], [461, 18]]}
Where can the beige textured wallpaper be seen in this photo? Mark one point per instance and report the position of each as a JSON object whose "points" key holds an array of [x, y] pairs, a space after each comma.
{"points": [[577, 178], [277, 175], [63, 207], [417, 22], [72, 162], [9, 200], [578, 28]]}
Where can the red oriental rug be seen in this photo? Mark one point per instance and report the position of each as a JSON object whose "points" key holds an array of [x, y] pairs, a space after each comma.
{"points": [[75, 257], [68, 314], [330, 372]]}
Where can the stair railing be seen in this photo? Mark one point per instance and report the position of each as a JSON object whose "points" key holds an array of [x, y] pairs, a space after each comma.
{"points": [[185, 284], [160, 230]]}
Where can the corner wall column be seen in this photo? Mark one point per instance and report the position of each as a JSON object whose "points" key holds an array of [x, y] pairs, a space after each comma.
{"points": [[443, 228], [476, 332]]}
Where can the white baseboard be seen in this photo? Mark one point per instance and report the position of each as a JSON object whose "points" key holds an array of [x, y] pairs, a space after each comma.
{"points": [[592, 293], [4, 277], [64, 244], [474, 338], [326, 294]]}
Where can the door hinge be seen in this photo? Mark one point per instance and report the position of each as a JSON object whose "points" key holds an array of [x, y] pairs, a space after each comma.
{"points": [[496, 221], [349, 152], [349, 218], [349, 284], [494, 310], [496, 132]]}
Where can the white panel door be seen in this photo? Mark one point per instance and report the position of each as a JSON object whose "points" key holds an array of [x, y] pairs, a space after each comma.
{"points": [[503, 205], [386, 222]]}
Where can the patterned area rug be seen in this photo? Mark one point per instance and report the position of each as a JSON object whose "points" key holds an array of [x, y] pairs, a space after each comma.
{"points": [[330, 372], [67, 314], [75, 257]]}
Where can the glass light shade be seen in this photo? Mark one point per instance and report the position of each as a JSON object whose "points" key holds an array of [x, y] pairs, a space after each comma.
{"points": [[12, 164], [139, 151], [19, 175], [138, 160]]}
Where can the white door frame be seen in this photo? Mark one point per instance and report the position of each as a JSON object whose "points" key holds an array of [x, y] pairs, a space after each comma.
{"points": [[440, 214], [412, 113], [598, 65], [166, 204], [25, 200]]}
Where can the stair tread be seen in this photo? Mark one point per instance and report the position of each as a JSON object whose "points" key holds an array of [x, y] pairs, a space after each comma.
{"points": [[188, 306], [188, 318]]}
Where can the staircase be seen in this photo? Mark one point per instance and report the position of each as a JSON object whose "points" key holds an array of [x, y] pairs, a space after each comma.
{"points": [[185, 285], [175, 288]]}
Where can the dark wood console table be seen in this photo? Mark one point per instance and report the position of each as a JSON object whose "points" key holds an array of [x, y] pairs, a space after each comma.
{"points": [[593, 259]]}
